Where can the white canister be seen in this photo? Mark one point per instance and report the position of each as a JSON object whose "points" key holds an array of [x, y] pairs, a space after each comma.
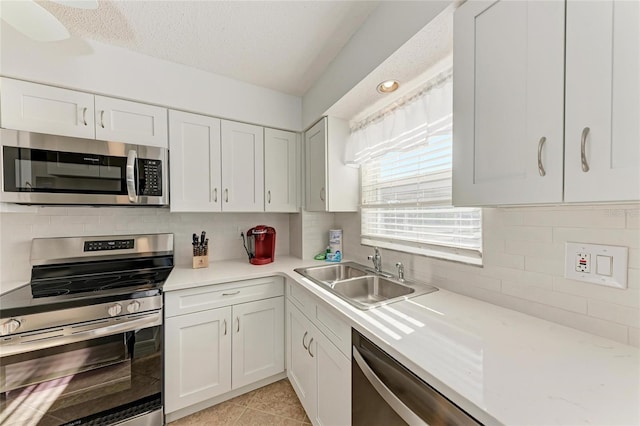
{"points": [[335, 245]]}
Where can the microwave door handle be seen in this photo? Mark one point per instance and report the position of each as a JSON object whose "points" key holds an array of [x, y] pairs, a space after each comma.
{"points": [[394, 402], [132, 164]]}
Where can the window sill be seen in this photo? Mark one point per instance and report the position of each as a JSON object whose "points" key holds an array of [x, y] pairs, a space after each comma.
{"points": [[469, 257]]}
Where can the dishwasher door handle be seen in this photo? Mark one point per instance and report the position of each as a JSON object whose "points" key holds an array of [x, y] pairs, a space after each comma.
{"points": [[394, 402]]}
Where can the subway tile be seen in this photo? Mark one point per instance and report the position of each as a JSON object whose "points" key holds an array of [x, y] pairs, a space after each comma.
{"points": [[61, 220], [614, 313], [543, 265], [53, 211], [617, 237], [545, 296], [525, 233], [575, 218], [634, 258], [629, 297], [506, 260], [633, 218], [535, 249], [633, 278]]}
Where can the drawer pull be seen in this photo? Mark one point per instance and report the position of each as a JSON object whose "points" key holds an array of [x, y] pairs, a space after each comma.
{"points": [[231, 294], [541, 170], [238, 329], [84, 116], [225, 327], [309, 349], [303, 338]]}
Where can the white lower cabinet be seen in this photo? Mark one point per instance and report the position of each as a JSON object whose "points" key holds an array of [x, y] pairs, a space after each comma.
{"points": [[197, 357], [318, 371], [221, 338]]}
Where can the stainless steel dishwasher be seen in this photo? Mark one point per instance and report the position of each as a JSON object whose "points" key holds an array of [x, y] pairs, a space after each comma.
{"points": [[384, 392]]}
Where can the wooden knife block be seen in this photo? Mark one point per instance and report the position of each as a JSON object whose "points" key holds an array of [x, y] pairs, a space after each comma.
{"points": [[200, 262]]}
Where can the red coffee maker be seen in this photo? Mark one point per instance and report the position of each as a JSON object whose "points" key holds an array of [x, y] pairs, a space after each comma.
{"points": [[262, 244]]}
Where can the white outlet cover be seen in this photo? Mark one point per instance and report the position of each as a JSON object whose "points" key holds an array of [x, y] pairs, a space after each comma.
{"points": [[618, 277]]}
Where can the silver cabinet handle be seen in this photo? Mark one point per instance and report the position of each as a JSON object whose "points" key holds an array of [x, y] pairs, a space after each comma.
{"points": [[540, 165], [322, 193], [269, 197], [132, 164], [226, 195], [304, 337], [583, 155], [84, 115], [309, 349], [394, 402], [102, 119], [225, 327], [215, 195], [231, 294], [238, 329]]}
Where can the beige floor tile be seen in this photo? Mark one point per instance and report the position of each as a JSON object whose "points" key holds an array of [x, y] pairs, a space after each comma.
{"points": [[258, 418], [225, 413], [279, 399], [244, 399]]}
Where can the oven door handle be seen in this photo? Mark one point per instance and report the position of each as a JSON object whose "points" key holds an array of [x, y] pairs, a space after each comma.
{"points": [[67, 335], [394, 402], [132, 164]]}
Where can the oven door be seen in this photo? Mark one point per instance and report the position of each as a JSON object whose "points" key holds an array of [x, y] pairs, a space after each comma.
{"points": [[46, 169], [110, 379]]}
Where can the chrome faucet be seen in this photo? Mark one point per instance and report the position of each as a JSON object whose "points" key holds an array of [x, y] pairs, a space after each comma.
{"points": [[377, 260], [400, 267]]}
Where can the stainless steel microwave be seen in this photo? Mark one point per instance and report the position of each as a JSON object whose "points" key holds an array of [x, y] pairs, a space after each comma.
{"points": [[48, 169]]}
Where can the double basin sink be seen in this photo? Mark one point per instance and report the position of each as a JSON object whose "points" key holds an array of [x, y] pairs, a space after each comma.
{"points": [[361, 286]]}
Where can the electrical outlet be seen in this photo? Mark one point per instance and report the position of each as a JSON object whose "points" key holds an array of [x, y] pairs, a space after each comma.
{"points": [[597, 264], [583, 262]]}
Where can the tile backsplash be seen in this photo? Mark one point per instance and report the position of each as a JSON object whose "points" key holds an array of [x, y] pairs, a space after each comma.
{"points": [[523, 268], [223, 229]]}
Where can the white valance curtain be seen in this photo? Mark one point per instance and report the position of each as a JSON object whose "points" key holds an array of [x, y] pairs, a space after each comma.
{"points": [[407, 123]]}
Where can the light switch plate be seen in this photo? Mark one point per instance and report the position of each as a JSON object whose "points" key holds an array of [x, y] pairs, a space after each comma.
{"points": [[579, 259]]}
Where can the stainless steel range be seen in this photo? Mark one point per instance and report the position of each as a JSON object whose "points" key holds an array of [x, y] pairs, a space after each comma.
{"points": [[81, 344]]}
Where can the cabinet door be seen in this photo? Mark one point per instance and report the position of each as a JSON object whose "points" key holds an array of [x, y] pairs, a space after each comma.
{"points": [[258, 340], [197, 357], [242, 167], [45, 109], [333, 371], [300, 364], [280, 171], [130, 122], [194, 143], [508, 102], [315, 140], [603, 101]]}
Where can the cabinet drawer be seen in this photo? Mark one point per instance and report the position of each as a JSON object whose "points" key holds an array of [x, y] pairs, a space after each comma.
{"points": [[336, 330], [214, 296]]}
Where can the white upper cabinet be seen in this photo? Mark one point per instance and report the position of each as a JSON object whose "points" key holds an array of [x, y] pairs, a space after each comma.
{"points": [[194, 144], [330, 184], [45, 109], [281, 171], [242, 167], [130, 122], [512, 97], [602, 101], [508, 102]]}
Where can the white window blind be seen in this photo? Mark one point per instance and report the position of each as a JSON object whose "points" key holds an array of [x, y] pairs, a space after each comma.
{"points": [[406, 181]]}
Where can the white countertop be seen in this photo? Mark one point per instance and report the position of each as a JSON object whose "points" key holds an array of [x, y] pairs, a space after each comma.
{"points": [[495, 363]]}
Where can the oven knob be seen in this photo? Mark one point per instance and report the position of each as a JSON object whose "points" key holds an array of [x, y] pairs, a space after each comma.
{"points": [[133, 307], [9, 327], [115, 309]]}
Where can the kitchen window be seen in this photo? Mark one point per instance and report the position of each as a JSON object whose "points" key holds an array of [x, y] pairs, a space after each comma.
{"points": [[405, 153]]}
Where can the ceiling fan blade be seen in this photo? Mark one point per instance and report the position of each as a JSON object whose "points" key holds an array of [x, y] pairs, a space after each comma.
{"points": [[79, 4], [33, 20]]}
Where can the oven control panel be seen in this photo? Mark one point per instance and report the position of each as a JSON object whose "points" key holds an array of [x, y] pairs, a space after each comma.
{"points": [[108, 245]]}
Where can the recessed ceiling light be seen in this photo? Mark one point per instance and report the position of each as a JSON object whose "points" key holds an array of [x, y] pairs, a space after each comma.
{"points": [[388, 86]]}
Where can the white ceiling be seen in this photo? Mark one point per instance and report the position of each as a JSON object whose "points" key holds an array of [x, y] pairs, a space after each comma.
{"points": [[282, 45]]}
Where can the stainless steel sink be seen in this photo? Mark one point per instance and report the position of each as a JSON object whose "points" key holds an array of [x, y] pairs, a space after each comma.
{"points": [[360, 286], [328, 274]]}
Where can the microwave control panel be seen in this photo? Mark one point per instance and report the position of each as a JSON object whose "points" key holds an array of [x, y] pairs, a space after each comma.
{"points": [[151, 177]]}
